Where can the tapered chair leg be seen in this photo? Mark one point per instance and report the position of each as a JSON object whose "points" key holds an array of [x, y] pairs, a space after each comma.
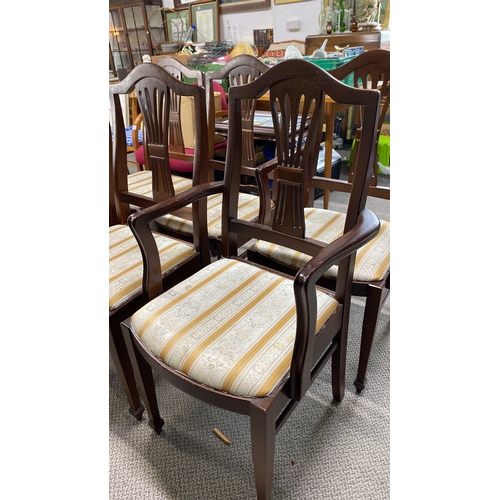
{"points": [[263, 436], [121, 359], [145, 381], [370, 319], [338, 366]]}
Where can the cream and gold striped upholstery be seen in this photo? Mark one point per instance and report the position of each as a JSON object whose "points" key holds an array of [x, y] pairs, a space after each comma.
{"points": [[248, 209], [248, 206], [141, 183], [372, 261], [125, 262], [231, 326]]}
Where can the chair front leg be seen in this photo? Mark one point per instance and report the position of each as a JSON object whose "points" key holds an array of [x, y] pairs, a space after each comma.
{"points": [[263, 436], [121, 360], [145, 381], [339, 357]]}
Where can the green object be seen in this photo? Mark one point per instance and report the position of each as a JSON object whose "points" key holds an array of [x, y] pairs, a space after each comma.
{"points": [[342, 13], [383, 151], [333, 63]]}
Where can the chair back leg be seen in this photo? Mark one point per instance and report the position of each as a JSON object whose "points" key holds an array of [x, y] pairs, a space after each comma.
{"points": [[374, 301]]}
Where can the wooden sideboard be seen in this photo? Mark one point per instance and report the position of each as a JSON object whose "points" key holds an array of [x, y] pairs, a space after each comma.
{"points": [[367, 39]]}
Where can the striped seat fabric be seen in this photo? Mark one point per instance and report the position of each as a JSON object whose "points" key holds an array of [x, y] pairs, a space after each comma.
{"points": [[125, 262], [248, 206], [141, 183], [372, 261], [231, 326]]}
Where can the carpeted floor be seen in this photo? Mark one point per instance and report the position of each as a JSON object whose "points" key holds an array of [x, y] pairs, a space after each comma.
{"points": [[324, 451]]}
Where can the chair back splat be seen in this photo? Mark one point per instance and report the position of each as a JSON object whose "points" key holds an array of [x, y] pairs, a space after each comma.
{"points": [[241, 336], [158, 94]]}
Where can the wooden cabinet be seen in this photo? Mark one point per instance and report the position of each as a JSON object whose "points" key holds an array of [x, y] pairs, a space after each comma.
{"points": [[129, 34], [367, 39]]}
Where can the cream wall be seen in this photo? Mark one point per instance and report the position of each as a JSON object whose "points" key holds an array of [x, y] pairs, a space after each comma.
{"points": [[243, 23]]}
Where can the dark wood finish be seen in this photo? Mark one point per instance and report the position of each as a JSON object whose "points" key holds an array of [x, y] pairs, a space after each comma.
{"points": [[367, 39], [118, 213], [289, 83], [371, 66]]}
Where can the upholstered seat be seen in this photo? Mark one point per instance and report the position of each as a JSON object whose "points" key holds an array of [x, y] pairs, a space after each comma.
{"points": [[372, 261], [231, 326], [125, 262], [248, 208], [141, 183]]}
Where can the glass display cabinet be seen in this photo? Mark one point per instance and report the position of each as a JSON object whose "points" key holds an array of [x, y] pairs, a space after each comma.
{"points": [[135, 27]]}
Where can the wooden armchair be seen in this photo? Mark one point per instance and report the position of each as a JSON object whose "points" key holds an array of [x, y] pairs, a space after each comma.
{"points": [[241, 336], [371, 278], [179, 260]]}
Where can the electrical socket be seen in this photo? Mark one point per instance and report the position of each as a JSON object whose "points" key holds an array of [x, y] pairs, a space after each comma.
{"points": [[292, 24]]}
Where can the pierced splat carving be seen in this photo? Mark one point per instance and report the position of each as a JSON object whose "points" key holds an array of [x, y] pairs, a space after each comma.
{"points": [[289, 212], [241, 76], [297, 113], [154, 103]]}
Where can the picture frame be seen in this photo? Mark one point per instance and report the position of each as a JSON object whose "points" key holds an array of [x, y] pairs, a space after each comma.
{"points": [[230, 6], [182, 4], [280, 2], [178, 23], [205, 16]]}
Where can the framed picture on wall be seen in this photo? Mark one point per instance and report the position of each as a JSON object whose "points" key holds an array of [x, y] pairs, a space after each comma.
{"points": [[242, 5], [179, 4], [279, 2], [178, 23], [205, 16]]}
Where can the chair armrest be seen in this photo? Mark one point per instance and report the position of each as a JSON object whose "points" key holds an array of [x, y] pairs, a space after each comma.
{"points": [[139, 225], [366, 228], [143, 217]]}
